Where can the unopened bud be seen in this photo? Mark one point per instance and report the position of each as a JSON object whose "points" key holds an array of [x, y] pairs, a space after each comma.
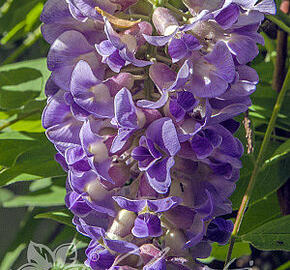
{"points": [[122, 224], [96, 191], [164, 21], [175, 240]]}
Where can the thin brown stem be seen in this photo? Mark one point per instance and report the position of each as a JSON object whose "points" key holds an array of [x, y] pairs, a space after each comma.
{"points": [[279, 71]]}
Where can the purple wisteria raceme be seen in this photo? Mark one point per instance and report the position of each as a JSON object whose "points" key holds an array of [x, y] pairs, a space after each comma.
{"points": [[140, 110]]}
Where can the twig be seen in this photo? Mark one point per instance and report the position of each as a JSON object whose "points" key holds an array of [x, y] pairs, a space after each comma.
{"points": [[279, 71]]}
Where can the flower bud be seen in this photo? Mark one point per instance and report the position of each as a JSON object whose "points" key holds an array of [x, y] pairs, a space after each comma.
{"points": [[122, 224], [175, 240], [97, 191], [164, 21]]}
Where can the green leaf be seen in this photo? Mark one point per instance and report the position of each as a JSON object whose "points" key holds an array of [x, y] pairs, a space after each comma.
{"points": [[34, 164], [52, 196], [219, 252], [269, 180], [273, 235], [261, 212], [33, 16], [62, 216], [282, 152], [22, 82], [5, 195], [16, 13], [16, 92], [13, 144], [24, 235], [38, 185]]}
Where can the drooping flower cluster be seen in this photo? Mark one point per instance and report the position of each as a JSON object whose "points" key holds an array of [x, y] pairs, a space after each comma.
{"points": [[141, 114]]}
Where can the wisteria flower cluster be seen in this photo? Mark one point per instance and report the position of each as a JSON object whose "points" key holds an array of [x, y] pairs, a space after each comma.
{"points": [[141, 114]]}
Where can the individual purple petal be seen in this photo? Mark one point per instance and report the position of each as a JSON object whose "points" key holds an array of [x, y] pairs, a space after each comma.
{"points": [[181, 48], [121, 139], [176, 110], [223, 61], [182, 77], [205, 210], [186, 100], [66, 133], [177, 50], [219, 230], [130, 205], [65, 52], [163, 133], [98, 257], [201, 146], [77, 204], [147, 225], [130, 57], [56, 111], [97, 151], [243, 47], [121, 246], [89, 92], [228, 16], [125, 110], [163, 205], [76, 159], [181, 216], [115, 61], [159, 41], [162, 75], [105, 48], [147, 104], [159, 175], [84, 9], [146, 153], [265, 6]]}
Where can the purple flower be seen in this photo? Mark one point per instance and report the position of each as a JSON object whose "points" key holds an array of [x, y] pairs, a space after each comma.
{"points": [[147, 223], [150, 153], [90, 93], [98, 257], [212, 73], [65, 53], [265, 6], [219, 230], [83, 10], [128, 118], [58, 18], [119, 50], [181, 45], [161, 134], [96, 148]]}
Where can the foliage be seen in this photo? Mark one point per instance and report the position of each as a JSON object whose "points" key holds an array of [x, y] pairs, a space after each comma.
{"points": [[27, 156]]}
